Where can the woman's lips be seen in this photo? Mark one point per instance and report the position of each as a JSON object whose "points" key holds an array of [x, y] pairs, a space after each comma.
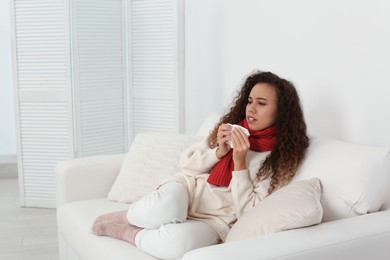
{"points": [[251, 119]]}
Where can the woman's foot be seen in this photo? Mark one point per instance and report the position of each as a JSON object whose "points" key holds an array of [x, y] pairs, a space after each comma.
{"points": [[125, 232], [119, 217]]}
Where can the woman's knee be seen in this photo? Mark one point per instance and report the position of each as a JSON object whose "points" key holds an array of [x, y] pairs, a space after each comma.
{"points": [[169, 204]]}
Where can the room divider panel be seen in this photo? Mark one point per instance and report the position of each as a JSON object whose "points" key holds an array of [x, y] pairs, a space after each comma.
{"points": [[88, 76]]}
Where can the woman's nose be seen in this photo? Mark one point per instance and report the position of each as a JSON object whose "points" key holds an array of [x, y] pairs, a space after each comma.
{"points": [[251, 108]]}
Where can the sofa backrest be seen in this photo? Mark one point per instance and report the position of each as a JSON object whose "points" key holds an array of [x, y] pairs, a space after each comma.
{"points": [[208, 124], [386, 205], [355, 178]]}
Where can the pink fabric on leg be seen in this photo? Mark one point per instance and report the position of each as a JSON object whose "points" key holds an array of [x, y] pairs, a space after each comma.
{"points": [[125, 232], [119, 217]]}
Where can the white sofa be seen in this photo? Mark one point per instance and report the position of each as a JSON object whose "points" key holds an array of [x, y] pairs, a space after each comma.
{"points": [[355, 199]]}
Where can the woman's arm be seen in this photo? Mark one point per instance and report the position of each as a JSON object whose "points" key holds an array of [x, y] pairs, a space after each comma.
{"points": [[243, 192], [198, 158], [246, 194]]}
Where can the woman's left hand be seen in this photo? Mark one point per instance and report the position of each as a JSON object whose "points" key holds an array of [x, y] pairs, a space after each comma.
{"points": [[240, 148]]}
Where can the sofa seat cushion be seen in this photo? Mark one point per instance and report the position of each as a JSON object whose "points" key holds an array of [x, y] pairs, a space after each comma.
{"points": [[74, 225]]}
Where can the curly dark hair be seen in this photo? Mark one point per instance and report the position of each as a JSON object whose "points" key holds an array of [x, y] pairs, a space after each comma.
{"points": [[292, 140]]}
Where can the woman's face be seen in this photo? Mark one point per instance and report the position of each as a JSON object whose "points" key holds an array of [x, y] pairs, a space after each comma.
{"points": [[261, 109]]}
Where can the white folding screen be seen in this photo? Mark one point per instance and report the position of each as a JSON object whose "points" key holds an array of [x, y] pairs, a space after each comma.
{"points": [[88, 76], [42, 92], [155, 65], [99, 65]]}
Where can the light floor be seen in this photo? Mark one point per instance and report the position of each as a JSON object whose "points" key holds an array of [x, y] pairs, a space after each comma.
{"points": [[25, 233]]}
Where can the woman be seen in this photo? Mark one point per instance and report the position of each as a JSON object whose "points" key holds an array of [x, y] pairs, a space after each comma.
{"points": [[218, 183]]}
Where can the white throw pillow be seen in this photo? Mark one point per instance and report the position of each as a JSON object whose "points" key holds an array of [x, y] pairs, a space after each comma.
{"points": [[293, 206], [355, 178], [151, 159]]}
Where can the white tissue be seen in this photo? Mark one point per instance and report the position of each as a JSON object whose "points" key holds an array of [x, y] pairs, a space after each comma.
{"points": [[242, 128]]}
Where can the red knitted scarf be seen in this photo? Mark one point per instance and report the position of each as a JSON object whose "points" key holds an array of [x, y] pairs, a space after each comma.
{"points": [[260, 141]]}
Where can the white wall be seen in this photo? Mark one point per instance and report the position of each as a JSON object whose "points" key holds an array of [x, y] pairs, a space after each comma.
{"points": [[7, 120], [336, 52], [204, 66]]}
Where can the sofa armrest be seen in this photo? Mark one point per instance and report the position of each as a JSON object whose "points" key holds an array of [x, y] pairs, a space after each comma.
{"points": [[86, 178], [358, 238]]}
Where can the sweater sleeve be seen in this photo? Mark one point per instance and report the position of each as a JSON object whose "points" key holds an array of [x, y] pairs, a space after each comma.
{"points": [[198, 158], [244, 196], [245, 193]]}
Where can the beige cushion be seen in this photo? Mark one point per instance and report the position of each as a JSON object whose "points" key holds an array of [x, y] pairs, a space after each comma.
{"points": [[293, 206], [151, 159], [355, 178]]}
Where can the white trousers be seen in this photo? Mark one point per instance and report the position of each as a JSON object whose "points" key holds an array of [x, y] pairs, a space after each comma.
{"points": [[167, 233]]}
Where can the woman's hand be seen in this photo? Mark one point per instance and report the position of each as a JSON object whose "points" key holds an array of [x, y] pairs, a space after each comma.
{"points": [[240, 148], [223, 135]]}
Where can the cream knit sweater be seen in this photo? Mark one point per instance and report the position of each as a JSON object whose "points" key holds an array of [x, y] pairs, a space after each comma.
{"points": [[219, 206]]}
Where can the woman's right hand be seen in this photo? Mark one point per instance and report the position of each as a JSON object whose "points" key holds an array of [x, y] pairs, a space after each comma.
{"points": [[223, 135]]}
